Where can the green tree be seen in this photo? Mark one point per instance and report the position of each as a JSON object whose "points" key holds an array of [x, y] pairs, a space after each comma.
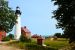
{"points": [[65, 16], [11, 36], [58, 35], [7, 17]]}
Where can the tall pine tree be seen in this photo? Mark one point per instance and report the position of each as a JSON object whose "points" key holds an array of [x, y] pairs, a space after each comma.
{"points": [[7, 17], [65, 16]]}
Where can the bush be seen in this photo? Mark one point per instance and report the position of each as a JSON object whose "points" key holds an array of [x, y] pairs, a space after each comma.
{"points": [[11, 36], [24, 39], [6, 39]]}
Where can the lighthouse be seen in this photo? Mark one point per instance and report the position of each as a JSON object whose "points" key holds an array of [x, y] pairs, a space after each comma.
{"points": [[18, 24]]}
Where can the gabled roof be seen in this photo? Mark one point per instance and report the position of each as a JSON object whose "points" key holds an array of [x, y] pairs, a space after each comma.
{"points": [[36, 36], [25, 29]]}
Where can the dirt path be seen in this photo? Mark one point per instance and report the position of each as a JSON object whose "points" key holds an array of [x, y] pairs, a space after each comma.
{"points": [[4, 47]]}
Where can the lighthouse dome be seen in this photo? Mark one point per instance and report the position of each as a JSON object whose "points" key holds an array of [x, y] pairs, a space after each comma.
{"points": [[18, 10]]}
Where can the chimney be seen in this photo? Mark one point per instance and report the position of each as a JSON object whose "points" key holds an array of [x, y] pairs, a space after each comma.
{"points": [[24, 26]]}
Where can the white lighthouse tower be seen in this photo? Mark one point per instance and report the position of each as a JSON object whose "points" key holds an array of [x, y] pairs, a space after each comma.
{"points": [[18, 24]]}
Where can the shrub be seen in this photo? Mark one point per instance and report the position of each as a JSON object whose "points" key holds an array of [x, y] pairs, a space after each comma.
{"points": [[6, 39], [11, 36], [24, 39]]}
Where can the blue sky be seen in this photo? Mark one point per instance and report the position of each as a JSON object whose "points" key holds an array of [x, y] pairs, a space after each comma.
{"points": [[36, 15]]}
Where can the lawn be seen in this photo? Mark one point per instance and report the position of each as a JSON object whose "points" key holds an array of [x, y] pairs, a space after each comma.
{"points": [[29, 46], [51, 45], [57, 44]]}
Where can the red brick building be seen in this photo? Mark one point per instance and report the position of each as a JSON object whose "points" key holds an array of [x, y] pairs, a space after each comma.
{"points": [[2, 35], [38, 38], [25, 31]]}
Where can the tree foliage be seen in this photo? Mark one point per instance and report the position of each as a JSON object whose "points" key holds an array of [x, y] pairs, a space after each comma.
{"points": [[11, 36], [8, 37], [58, 35], [7, 17], [65, 16]]}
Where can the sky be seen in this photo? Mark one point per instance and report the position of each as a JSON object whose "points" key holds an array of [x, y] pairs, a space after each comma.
{"points": [[37, 16]]}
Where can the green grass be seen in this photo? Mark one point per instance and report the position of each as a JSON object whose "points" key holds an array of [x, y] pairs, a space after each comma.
{"points": [[57, 44], [29, 46], [51, 45]]}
